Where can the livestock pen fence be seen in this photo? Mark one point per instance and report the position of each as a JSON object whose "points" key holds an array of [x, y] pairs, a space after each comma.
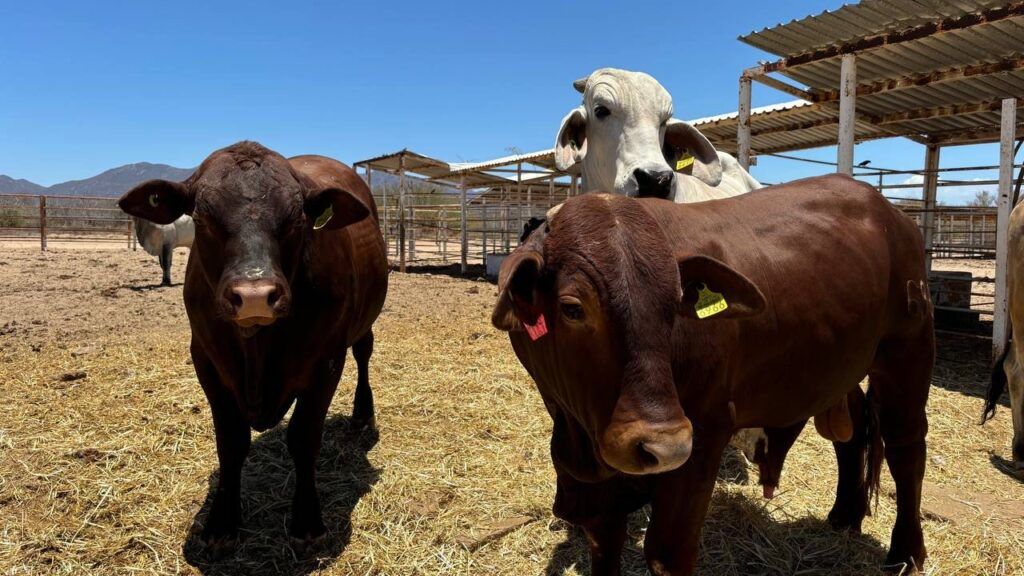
{"points": [[427, 218], [428, 222], [63, 218]]}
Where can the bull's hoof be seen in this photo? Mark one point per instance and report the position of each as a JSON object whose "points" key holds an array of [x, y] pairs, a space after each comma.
{"points": [[306, 535], [307, 524], [845, 520], [218, 544], [305, 545], [362, 423], [900, 568], [900, 562]]}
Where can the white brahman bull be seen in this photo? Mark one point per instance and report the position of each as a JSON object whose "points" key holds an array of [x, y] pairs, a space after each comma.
{"points": [[1010, 368], [161, 240], [629, 143]]}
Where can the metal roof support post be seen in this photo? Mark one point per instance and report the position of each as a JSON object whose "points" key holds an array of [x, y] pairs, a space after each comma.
{"points": [[382, 215], [847, 112], [505, 213], [519, 194], [401, 213], [464, 266], [1000, 313], [551, 192], [743, 124], [931, 185]]}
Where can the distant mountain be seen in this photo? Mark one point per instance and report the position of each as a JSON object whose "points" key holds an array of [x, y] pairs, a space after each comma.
{"points": [[117, 181], [112, 183], [20, 186]]}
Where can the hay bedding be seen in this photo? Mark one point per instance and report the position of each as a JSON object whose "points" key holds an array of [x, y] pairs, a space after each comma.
{"points": [[109, 472]]}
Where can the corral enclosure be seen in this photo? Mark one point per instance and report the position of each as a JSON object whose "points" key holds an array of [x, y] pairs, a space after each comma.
{"points": [[108, 454]]}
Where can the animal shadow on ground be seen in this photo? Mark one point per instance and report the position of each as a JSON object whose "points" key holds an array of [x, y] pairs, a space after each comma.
{"points": [[150, 287], [741, 537], [344, 476], [1007, 467], [963, 364], [473, 271]]}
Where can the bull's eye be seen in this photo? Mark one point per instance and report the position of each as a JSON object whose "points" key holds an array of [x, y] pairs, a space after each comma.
{"points": [[601, 112], [572, 311]]}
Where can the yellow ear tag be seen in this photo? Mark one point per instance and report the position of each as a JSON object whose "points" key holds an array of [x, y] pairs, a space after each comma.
{"points": [[684, 162], [324, 218], [709, 303]]}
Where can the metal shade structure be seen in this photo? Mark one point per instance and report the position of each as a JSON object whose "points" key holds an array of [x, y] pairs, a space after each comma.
{"points": [[938, 73], [531, 180]]}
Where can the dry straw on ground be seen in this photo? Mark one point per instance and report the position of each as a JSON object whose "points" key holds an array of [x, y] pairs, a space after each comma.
{"points": [[110, 472]]}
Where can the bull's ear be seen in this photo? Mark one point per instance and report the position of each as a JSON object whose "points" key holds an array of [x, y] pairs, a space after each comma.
{"points": [[682, 138], [334, 208], [159, 201], [707, 281], [517, 282], [571, 142]]}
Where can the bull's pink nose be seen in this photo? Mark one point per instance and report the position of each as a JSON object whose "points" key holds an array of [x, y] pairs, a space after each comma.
{"points": [[641, 448], [253, 301]]}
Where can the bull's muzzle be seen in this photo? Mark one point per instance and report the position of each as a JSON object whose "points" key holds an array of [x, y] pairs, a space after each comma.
{"points": [[256, 302], [640, 447], [654, 183]]}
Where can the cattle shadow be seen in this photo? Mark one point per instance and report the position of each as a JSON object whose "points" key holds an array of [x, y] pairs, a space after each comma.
{"points": [[476, 272], [344, 476], [1007, 467], [150, 287], [740, 536], [963, 364]]}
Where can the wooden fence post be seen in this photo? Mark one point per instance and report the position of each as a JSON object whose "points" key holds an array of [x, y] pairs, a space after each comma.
{"points": [[42, 223]]}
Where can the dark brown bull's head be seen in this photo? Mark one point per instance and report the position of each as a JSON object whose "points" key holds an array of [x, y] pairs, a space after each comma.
{"points": [[253, 214], [604, 284]]}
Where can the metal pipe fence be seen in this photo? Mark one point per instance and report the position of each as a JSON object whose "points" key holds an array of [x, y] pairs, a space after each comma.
{"points": [[63, 218]]}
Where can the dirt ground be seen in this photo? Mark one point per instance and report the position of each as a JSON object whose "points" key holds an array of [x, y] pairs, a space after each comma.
{"points": [[107, 455]]}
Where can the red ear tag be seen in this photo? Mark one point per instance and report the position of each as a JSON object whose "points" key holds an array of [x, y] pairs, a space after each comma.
{"points": [[537, 329]]}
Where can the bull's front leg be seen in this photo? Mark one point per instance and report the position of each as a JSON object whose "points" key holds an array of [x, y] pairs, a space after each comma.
{"points": [[681, 499], [305, 436], [601, 509], [232, 431], [605, 536]]}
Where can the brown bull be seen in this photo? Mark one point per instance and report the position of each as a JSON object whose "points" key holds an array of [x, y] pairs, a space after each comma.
{"points": [[818, 282], [287, 271]]}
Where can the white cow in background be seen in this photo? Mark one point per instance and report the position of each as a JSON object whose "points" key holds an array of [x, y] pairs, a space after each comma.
{"points": [[629, 143], [161, 240]]}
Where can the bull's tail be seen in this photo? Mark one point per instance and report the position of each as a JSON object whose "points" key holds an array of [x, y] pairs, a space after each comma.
{"points": [[996, 385], [874, 449]]}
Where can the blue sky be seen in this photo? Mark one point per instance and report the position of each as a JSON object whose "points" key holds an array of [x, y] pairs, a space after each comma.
{"points": [[85, 86]]}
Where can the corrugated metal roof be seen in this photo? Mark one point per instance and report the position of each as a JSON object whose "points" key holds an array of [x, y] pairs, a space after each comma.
{"points": [[805, 46], [852, 21], [541, 156]]}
